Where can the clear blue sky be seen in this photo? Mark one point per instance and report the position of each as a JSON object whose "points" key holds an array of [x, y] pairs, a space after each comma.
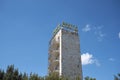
{"points": [[26, 27]]}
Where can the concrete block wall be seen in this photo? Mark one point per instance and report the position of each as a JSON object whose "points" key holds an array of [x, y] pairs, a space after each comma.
{"points": [[71, 59]]}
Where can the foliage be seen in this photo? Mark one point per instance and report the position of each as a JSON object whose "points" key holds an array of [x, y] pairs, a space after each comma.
{"points": [[13, 74], [117, 77], [88, 78]]}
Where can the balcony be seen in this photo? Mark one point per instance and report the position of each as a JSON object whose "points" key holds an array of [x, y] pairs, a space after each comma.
{"points": [[54, 45]]}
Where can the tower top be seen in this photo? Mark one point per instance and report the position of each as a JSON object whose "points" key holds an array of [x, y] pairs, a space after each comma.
{"points": [[66, 26]]}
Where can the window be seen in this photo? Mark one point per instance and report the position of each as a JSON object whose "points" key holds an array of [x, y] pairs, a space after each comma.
{"points": [[78, 66]]}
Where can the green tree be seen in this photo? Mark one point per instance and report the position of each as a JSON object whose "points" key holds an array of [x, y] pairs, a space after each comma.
{"points": [[117, 77], [9, 73], [15, 74], [77, 78], [89, 78], [55, 76], [52, 76], [1, 74], [12, 73], [25, 77], [34, 77], [20, 77]]}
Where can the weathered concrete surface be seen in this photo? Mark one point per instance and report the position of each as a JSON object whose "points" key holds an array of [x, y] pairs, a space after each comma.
{"points": [[71, 59], [68, 63]]}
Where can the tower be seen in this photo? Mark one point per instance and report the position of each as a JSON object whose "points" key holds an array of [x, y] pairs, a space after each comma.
{"points": [[64, 52]]}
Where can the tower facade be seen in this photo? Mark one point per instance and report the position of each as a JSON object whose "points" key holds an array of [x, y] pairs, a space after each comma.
{"points": [[64, 52]]}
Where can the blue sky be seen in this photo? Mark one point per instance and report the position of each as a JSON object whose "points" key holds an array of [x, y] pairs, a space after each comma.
{"points": [[26, 27]]}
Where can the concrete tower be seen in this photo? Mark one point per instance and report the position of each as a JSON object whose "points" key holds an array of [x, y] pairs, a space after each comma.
{"points": [[64, 52]]}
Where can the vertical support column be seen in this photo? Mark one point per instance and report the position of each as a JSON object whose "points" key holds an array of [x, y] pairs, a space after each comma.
{"points": [[60, 54]]}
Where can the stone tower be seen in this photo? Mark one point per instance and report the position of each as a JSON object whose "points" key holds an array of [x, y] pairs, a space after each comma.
{"points": [[64, 52]]}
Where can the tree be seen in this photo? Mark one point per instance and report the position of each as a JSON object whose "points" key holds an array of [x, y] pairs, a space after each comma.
{"points": [[1, 74], [35, 77], [12, 73], [25, 76], [88, 78], [117, 77], [20, 77], [15, 74], [9, 73], [53, 76]]}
